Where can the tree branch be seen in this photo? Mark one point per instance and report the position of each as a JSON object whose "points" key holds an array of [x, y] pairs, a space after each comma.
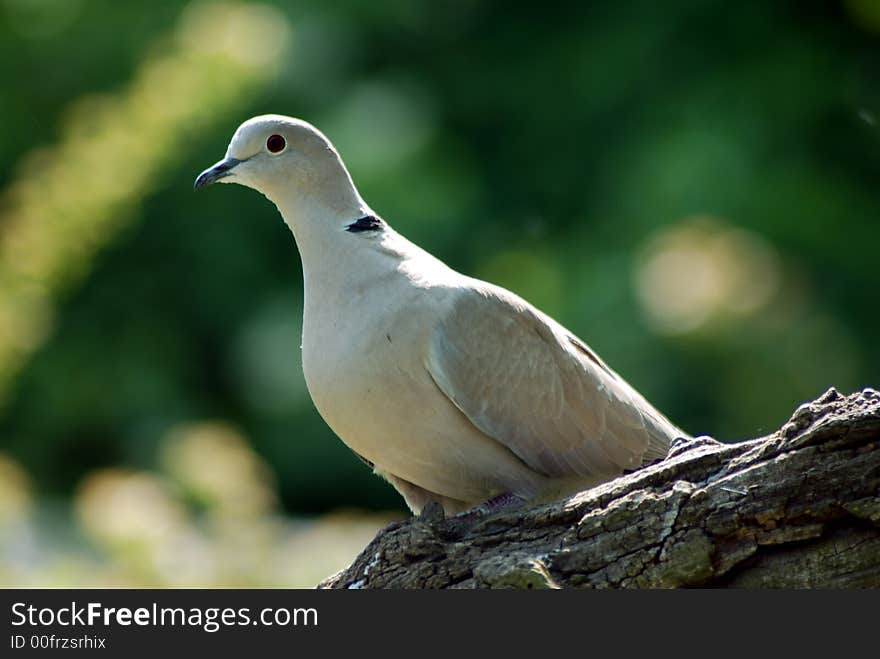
{"points": [[799, 508]]}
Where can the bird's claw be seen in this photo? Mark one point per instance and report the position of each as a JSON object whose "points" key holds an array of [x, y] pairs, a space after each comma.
{"points": [[432, 514], [684, 444]]}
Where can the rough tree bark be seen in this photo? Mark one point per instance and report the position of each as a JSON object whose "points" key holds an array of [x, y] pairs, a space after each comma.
{"points": [[798, 508]]}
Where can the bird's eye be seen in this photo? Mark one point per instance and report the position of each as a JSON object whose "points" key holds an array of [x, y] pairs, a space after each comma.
{"points": [[275, 144]]}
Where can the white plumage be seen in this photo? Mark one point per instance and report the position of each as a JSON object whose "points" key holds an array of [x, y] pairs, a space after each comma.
{"points": [[457, 391]]}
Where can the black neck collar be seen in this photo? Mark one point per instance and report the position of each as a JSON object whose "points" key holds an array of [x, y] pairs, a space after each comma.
{"points": [[365, 223]]}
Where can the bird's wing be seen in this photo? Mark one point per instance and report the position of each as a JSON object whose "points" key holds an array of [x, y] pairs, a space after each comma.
{"points": [[524, 380]]}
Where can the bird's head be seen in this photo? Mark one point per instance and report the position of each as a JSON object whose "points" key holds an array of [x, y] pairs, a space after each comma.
{"points": [[290, 162]]}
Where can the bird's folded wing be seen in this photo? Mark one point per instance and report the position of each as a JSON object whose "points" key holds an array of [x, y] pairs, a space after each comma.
{"points": [[524, 380]]}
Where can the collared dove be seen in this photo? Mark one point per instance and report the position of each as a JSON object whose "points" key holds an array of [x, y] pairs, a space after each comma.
{"points": [[456, 391]]}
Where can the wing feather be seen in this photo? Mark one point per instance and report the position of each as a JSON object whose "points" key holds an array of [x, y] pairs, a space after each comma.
{"points": [[524, 380]]}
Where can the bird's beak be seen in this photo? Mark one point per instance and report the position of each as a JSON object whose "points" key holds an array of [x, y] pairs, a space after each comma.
{"points": [[215, 173]]}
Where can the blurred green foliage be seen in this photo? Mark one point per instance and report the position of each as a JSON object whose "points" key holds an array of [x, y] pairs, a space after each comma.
{"points": [[691, 187]]}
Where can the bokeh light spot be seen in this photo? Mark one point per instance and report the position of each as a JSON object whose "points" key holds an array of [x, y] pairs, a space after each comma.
{"points": [[703, 271]]}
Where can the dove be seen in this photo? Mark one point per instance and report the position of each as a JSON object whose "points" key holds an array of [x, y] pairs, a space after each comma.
{"points": [[458, 392]]}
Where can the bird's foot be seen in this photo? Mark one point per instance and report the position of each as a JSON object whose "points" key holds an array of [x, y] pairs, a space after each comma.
{"points": [[457, 526], [432, 513], [502, 503], [684, 444]]}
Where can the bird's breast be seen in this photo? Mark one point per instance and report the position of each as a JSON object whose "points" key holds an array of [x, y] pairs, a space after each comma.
{"points": [[365, 369], [362, 358]]}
